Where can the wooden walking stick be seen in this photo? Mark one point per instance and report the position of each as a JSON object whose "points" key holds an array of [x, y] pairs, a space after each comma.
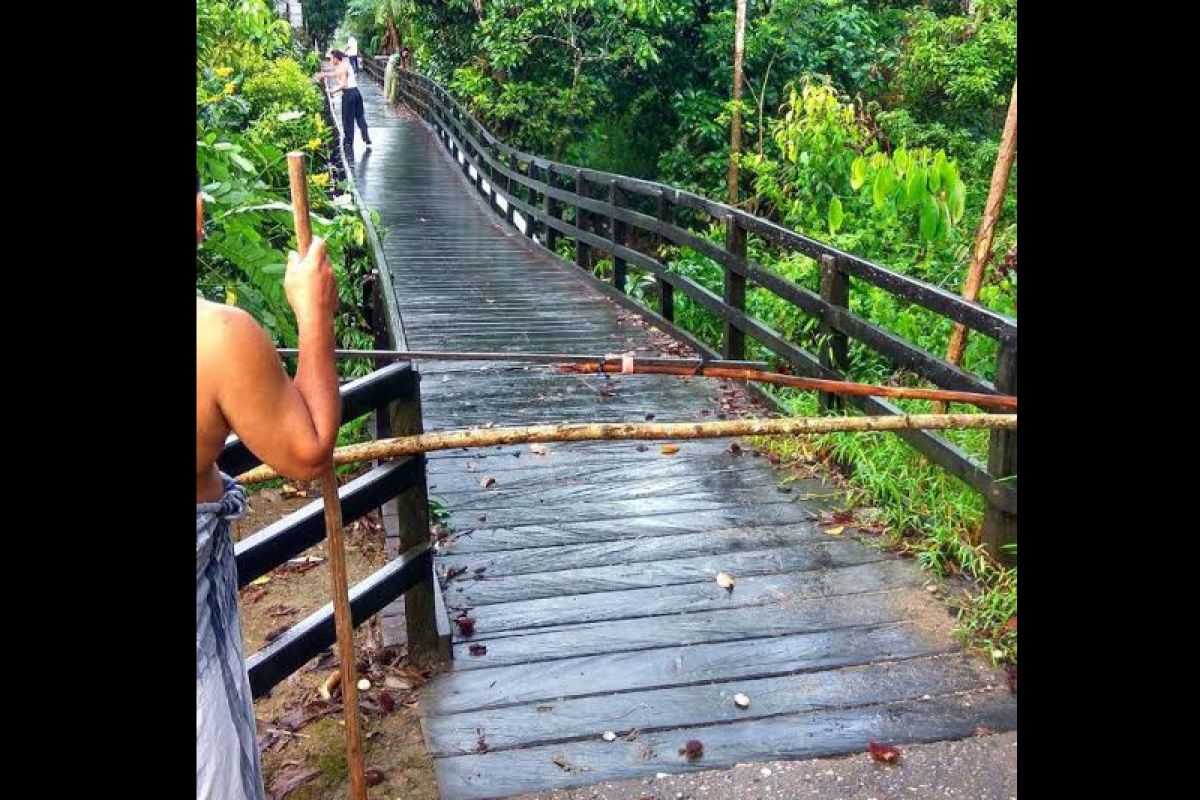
{"points": [[333, 528]]}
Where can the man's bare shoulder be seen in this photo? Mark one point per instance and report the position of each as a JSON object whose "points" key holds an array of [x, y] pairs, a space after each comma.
{"points": [[221, 326]]}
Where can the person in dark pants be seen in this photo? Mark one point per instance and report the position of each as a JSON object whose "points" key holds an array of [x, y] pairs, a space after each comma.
{"points": [[352, 102]]}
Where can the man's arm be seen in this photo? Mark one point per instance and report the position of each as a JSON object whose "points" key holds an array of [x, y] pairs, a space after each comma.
{"points": [[290, 425]]}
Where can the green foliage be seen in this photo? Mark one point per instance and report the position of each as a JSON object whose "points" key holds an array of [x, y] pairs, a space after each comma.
{"points": [[250, 111], [959, 70], [321, 17]]}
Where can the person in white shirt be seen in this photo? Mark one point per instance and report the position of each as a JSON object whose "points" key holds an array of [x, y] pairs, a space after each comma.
{"points": [[352, 52], [352, 102]]}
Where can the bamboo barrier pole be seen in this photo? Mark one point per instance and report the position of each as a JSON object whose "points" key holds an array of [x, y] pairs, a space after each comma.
{"points": [[1007, 402], [383, 449]]}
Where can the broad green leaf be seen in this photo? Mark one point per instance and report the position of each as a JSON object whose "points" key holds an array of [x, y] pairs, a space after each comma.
{"points": [[288, 116], [935, 173], [958, 200], [916, 186], [884, 183], [242, 162], [858, 173], [835, 215], [900, 159], [946, 225], [929, 218], [949, 176]]}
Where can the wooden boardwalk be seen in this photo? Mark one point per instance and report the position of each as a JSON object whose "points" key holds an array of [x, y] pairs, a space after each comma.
{"points": [[590, 571]]}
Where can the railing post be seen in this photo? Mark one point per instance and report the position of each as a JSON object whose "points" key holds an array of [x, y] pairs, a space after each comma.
{"points": [[834, 346], [553, 210], [582, 251], [402, 417], [619, 232], [508, 187], [734, 340], [1000, 527], [475, 154], [531, 224], [666, 292]]}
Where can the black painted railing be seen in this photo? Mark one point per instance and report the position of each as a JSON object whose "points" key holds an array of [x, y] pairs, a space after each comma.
{"points": [[531, 193], [399, 488]]}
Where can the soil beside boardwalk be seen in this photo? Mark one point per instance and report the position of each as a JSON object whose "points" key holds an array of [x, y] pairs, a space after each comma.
{"points": [[301, 737]]}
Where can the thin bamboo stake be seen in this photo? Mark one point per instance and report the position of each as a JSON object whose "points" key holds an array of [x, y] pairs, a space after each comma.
{"points": [[834, 387], [735, 125], [343, 624], [987, 225], [382, 449]]}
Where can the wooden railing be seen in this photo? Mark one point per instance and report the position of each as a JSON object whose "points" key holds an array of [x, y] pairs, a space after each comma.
{"points": [[398, 487], [531, 193]]}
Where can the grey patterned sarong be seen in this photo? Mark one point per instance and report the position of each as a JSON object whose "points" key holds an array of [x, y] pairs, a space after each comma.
{"points": [[227, 764]]}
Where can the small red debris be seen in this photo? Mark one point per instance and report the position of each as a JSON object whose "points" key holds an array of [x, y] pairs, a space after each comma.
{"points": [[373, 776], [883, 752], [693, 749], [466, 625], [477, 650], [387, 702]]}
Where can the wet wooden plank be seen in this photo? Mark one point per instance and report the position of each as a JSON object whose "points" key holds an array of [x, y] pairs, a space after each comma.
{"points": [[585, 718], [793, 736], [701, 627], [748, 485], [697, 569], [610, 510], [532, 616], [674, 666], [631, 550], [484, 539]]}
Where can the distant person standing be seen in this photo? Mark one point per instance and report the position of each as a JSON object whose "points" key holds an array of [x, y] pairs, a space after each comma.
{"points": [[352, 52], [352, 102]]}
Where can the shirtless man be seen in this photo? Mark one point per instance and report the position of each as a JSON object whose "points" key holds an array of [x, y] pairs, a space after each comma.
{"points": [[292, 425], [352, 102]]}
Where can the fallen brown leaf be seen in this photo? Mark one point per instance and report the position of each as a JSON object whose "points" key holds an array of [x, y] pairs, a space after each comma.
{"points": [[669, 449], [330, 684], [291, 778], [567, 766], [276, 632], [372, 776], [466, 625], [281, 610], [487, 481], [387, 702], [477, 650], [253, 595]]}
